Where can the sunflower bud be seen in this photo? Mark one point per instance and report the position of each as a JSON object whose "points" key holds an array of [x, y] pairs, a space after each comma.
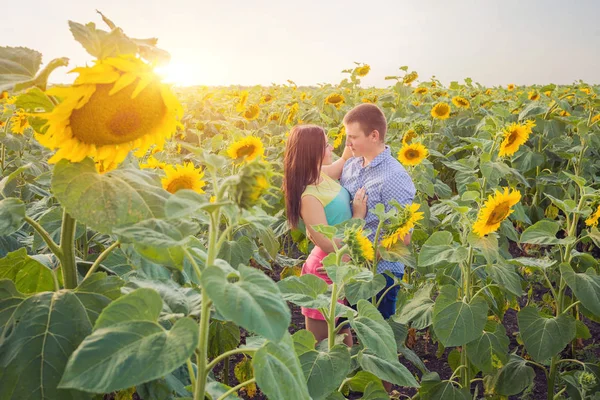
{"points": [[253, 184], [361, 248], [587, 380]]}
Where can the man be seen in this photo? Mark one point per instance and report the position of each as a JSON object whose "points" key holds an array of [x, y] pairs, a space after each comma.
{"points": [[383, 177]]}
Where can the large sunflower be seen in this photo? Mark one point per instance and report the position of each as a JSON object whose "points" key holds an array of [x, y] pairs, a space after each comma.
{"points": [[408, 217], [335, 99], [251, 113], [412, 154], [510, 87], [113, 107], [183, 177], [460, 102], [363, 70], [152, 163], [495, 210], [593, 219], [441, 111], [246, 149], [514, 136], [421, 90]]}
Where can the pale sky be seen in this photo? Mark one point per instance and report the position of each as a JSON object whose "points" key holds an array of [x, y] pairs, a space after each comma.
{"points": [[252, 42]]}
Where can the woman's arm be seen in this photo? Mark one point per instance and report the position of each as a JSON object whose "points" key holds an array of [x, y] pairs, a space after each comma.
{"points": [[334, 170], [313, 213]]}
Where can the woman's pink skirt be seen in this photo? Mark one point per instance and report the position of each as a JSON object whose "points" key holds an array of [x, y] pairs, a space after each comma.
{"points": [[313, 262]]}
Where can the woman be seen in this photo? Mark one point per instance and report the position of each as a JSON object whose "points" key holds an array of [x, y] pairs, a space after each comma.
{"points": [[313, 195]]}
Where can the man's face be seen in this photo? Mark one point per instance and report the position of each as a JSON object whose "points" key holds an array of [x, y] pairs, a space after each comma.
{"points": [[358, 141]]}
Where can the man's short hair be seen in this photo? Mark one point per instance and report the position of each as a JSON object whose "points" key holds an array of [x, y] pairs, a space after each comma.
{"points": [[369, 117]]}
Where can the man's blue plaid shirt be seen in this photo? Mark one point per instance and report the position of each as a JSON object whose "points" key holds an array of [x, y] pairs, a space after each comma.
{"points": [[384, 179]]}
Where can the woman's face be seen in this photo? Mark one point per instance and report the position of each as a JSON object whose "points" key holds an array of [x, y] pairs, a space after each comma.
{"points": [[327, 152]]}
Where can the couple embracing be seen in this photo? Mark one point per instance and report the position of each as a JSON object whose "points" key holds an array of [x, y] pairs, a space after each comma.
{"points": [[321, 192]]}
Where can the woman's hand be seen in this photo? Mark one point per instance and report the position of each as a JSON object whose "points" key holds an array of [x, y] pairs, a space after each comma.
{"points": [[359, 204]]}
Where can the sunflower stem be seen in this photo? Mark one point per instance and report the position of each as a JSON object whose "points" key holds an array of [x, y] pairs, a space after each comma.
{"points": [[101, 258], [67, 258]]}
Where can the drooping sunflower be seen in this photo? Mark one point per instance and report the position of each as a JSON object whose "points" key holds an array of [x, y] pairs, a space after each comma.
{"points": [[361, 248], [593, 219], [339, 137], [241, 104], [408, 136], [251, 113], [585, 90], [335, 99], [510, 87], [113, 107], [415, 103], [421, 90], [407, 218], [246, 149], [564, 113], [441, 111], [412, 154], [3, 95], [19, 122], [460, 102], [533, 95], [267, 98], [363, 70], [595, 118], [292, 113], [253, 184], [495, 210], [489, 92], [274, 117], [514, 136], [183, 177], [410, 78]]}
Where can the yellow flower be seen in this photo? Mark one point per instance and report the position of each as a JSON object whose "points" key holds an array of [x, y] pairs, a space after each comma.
{"points": [[510, 87], [2, 124], [410, 78], [440, 111], [596, 118], [339, 138], [303, 96], [153, 163], [19, 122], [251, 113], [183, 177], [360, 246], [548, 93], [253, 184], [292, 114], [241, 105], [412, 154], [593, 219], [335, 99], [585, 90], [533, 95], [363, 70], [495, 210], [421, 90], [489, 92], [246, 149], [266, 99], [416, 103], [274, 117], [408, 136], [113, 107], [3, 95], [460, 102], [564, 113], [408, 217], [514, 136]]}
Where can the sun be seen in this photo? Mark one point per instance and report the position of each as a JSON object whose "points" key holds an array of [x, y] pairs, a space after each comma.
{"points": [[179, 74]]}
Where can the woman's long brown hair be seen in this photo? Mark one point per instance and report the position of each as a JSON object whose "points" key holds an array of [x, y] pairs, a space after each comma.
{"points": [[304, 154]]}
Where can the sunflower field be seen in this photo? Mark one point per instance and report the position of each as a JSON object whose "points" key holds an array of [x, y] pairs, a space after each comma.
{"points": [[145, 254]]}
